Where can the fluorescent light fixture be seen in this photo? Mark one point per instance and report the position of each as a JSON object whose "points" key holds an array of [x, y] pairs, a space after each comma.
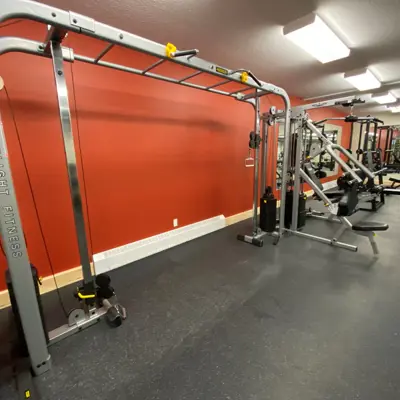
{"points": [[362, 79], [316, 38], [394, 109], [384, 98]]}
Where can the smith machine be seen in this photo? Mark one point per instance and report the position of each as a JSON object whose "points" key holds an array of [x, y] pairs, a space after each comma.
{"points": [[93, 300], [341, 203], [297, 171]]}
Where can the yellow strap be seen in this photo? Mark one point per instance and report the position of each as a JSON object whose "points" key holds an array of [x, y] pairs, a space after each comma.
{"points": [[170, 48], [244, 77], [85, 296]]}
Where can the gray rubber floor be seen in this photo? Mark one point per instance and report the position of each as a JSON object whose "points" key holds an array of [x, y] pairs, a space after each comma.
{"points": [[220, 319]]}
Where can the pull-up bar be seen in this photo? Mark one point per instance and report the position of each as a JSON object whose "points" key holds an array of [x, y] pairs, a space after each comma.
{"points": [[61, 22]]}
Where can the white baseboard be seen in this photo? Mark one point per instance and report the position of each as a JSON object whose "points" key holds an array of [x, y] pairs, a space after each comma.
{"points": [[119, 256]]}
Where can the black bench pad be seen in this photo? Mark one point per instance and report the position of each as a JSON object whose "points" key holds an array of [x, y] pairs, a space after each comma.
{"points": [[370, 226]]}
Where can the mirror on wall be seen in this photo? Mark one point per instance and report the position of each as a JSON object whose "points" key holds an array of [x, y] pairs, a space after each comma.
{"points": [[323, 164]]}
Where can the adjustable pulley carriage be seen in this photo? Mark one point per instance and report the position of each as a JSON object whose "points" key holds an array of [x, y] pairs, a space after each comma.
{"points": [[249, 89]]}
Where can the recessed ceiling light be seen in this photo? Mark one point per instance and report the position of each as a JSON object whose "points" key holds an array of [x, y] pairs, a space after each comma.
{"points": [[384, 98], [394, 109], [316, 38], [362, 79]]}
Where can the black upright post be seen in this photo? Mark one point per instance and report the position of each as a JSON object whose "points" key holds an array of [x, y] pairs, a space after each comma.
{"points": [[366, 137], [385, 151], [359, 140], [351, 136], [374, 137]]}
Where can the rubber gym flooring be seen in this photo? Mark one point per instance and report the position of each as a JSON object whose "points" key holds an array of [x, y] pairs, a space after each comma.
{"points": [[220, 319]]}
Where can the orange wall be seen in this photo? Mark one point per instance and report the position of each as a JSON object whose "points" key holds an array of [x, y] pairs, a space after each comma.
{"points": [[152, 151]]}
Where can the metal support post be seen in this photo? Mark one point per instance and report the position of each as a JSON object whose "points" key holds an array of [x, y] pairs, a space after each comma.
{"points": [[359, 140], [264, 155], [385, 152], [65, 117], [256, 166], [366, 137], [12, 237], [285, 163], [374, 137], [351, 136], [274, 155], [298, 136]]}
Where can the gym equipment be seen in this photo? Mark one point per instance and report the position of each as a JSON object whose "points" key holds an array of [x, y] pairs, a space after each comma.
{"points": [[268, 204], [391, 150], [345, 202], [369, 155], [59, 23], [268, 221], [395, 183], [107, 298], [302, 213]]}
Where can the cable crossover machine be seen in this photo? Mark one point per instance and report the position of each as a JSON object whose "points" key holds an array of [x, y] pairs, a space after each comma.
{"points": [[59, 23]]}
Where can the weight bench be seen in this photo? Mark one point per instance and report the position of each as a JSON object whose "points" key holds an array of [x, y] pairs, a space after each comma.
{"points": [[394, 181], [368, 228]]}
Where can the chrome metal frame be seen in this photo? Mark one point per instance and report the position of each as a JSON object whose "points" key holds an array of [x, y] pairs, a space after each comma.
{"points": [[298, 124], [13, 240], [262, 122], [61, 22]]}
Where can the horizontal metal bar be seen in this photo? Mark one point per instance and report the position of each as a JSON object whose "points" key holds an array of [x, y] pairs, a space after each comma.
{"points": [[104, 52], [27, 9], [259, 93], [296, 111], [152, 66], [325, 218], [135, 71], [379, 172], [242, 90], [391, 191], [219, 84], [10, 44], [66, 330], [324, 240], [190, 76]]}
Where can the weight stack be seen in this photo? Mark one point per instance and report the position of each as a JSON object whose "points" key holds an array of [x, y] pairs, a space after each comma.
{"points": [[302, 214], [22, 347], [268, 206]]}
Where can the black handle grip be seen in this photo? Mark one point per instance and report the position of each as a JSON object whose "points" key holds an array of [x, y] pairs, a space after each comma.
{"points": [[183, 53]]}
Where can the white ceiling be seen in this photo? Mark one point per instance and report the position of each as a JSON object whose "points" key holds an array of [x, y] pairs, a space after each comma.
{"points": [[248, 34]]}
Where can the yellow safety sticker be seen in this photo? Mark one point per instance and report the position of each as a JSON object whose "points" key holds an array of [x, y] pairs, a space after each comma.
{"points": [[27, 394], [265, 201], [222, 70]]}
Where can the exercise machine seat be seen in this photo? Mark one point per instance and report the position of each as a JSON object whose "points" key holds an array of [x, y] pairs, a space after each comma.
{"points": [[370, 226], [394, 180]]}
